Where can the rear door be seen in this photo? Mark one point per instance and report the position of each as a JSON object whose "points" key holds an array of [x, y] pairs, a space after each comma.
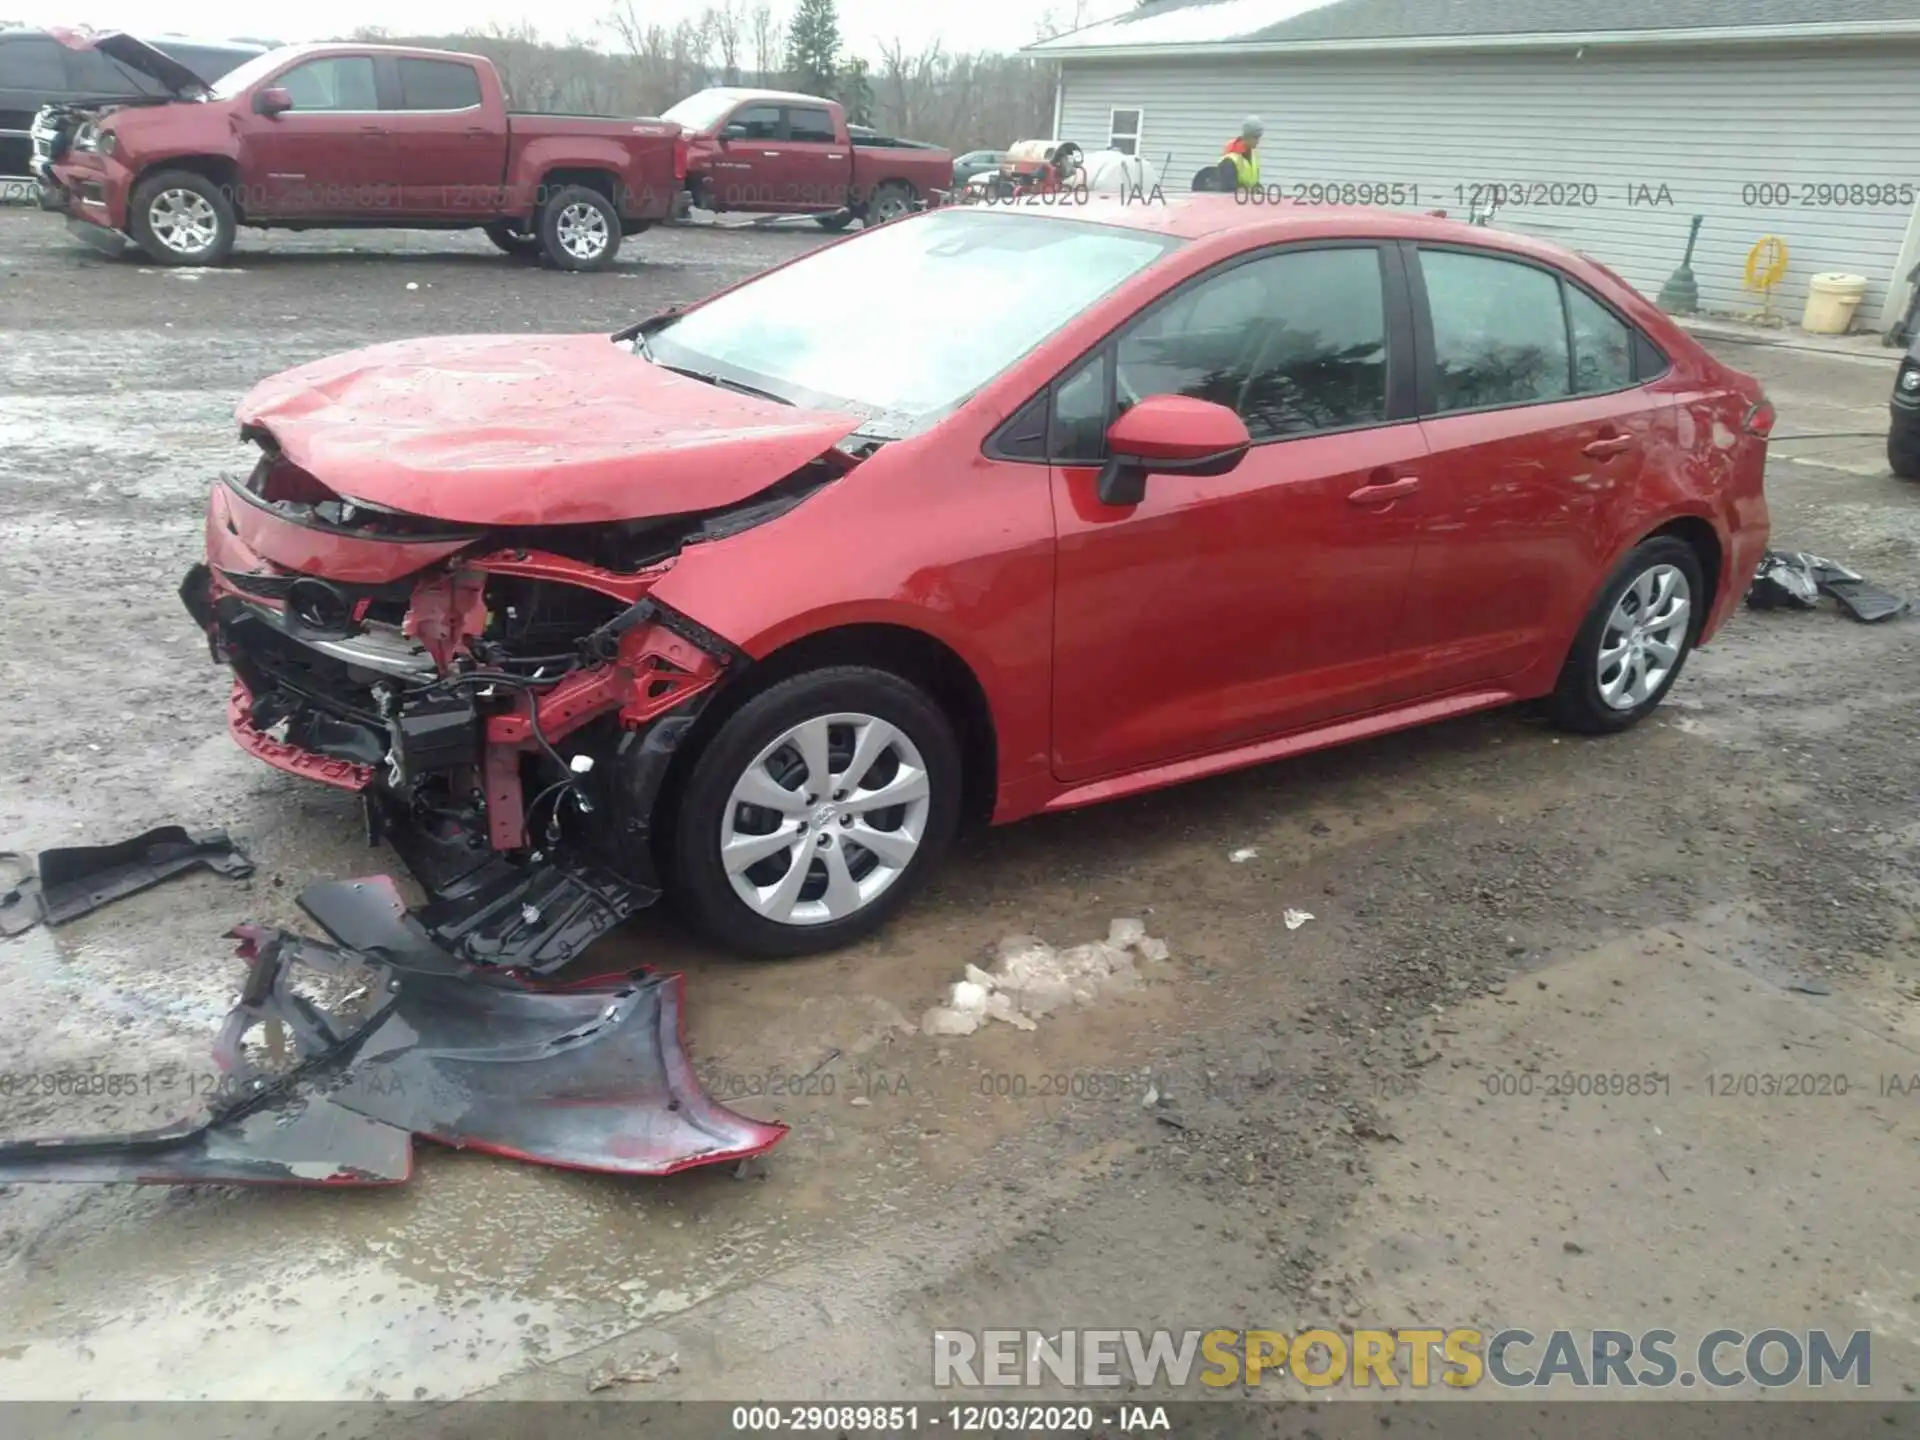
{"points": [[746, 163], [330, 157], [1541, 428], [815, 165], [450, 159], [1224, 609]]}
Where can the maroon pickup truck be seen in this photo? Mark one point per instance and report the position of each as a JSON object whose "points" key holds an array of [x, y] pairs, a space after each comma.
{"points": [[317, 137], [780, 153]]}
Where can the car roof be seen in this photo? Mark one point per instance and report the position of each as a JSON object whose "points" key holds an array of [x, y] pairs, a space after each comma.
{"points": [[1215, 217]]}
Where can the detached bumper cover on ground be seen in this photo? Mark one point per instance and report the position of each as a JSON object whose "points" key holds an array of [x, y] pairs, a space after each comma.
{"points": [[590, 1076]]}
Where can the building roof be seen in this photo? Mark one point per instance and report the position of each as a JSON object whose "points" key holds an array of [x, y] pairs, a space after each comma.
{"points": [[1186, 26]]}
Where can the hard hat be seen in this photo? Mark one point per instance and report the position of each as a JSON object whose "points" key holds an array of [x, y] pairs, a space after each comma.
{"points": [[1253, 129]]}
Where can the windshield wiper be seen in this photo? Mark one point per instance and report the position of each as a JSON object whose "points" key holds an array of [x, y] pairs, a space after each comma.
{"points": [[710, 378]]}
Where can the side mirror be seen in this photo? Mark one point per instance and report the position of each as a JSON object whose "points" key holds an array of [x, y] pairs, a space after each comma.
{"points": [[1169, 435], [735, 131], [272, 101]]}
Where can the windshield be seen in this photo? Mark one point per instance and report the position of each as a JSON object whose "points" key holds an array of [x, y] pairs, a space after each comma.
{"points": [[236, 82], [698, 111], [909, 320]]}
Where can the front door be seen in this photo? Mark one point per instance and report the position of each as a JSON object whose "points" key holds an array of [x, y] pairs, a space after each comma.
{"points": [[747, 164], [1223, 610], [1538, 431], [328, 158]]}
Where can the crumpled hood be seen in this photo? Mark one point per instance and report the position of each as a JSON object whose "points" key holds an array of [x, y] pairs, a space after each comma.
{"points": [[531, 430]]}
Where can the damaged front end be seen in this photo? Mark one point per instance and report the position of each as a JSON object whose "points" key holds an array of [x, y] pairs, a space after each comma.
{"points": [[506, 700], [336, 1056]]}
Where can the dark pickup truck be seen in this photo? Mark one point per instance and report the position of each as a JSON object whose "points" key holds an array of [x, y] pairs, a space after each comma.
{"points": [[315, 137], [775, 152], [41, 78]]}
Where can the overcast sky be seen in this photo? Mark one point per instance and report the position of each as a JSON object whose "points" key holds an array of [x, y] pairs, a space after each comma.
{"points": [[864, 24]]}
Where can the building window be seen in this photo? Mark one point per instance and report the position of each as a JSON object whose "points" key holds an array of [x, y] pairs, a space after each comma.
{"points": [[1123, 131]]}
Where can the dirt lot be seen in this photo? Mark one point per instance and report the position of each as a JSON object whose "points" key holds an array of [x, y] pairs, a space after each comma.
{"points": [[1352, 1124]]}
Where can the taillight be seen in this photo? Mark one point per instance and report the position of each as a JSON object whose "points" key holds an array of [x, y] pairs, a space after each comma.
{"points": [[680, 156], [1760, 418]]}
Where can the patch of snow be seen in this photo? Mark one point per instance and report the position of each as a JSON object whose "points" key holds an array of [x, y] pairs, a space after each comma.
{"points": [[1296, 918], [1242, 855], [1026, 979], [1190, 25]]}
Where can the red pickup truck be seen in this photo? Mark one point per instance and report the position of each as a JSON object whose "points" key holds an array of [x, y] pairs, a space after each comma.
{"points": [[316, 137], [780, 153]]}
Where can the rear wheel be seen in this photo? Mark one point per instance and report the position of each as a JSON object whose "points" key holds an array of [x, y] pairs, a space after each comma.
{"points": [[512, 241], [1903, 451], [890, 201], [180, 218], [1635, 639], [815, 811], [579, 229]]}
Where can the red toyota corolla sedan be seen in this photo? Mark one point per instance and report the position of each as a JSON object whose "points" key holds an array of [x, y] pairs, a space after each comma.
{"points": [[753, 602]]}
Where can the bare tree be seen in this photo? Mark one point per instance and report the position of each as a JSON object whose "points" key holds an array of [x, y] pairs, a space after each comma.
{"points": [[1060, 20], [769, 43], [727, 24], [669, 63]]}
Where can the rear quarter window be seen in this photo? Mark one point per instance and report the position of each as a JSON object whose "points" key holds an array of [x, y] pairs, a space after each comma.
{"points": [[32, 63]]}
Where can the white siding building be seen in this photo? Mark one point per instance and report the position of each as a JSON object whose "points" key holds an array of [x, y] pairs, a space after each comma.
{"points": [[1603, 124]]}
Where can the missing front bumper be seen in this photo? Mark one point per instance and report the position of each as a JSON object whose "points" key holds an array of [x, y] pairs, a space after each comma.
{"points": [[591, 1076]]}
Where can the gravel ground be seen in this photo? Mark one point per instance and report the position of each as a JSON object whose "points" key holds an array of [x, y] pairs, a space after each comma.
{"points": [[1278, 1127]]}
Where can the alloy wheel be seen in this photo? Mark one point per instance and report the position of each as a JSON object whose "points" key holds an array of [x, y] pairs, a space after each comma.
{"points": [[183, 221], [582, 231], [825, 819], [1645, 636]]}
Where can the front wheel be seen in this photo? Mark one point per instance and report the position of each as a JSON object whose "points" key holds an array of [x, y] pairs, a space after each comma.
{"points": [[180, 218], [579, 229], [815, 811], [1635, 639]]}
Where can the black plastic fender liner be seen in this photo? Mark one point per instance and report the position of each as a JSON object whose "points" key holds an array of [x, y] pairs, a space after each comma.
{"points": [[75, 880], [593, 1076]]}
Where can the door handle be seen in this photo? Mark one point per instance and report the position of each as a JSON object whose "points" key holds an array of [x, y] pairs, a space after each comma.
{"points": [[1607, 446], [372, 130], [479, 132], [1380, 492], [770, 154]]}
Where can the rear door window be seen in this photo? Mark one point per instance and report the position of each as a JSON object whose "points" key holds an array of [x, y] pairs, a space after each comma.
{"points": [[33, 63], [438, 85], [813, 126], [1499, 332]]}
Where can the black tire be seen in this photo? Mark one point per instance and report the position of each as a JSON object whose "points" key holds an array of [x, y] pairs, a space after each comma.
{"points": [[888, 202], [1903, 451], [180, 191], [700, 881], [837, 221], [1577, 703], [571, 206], [510, 240]]}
